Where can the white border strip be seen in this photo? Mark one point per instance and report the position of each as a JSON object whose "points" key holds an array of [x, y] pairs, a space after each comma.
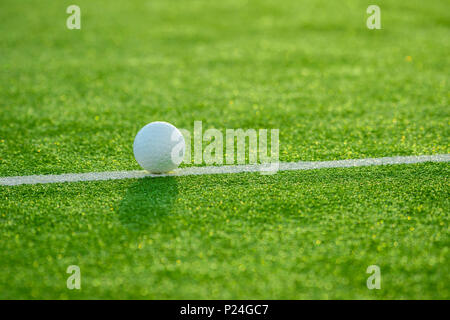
{"points": [[283, 166]]}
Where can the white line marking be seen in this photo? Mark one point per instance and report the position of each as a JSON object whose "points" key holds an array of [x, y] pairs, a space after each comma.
{"points": [[283, 166]]}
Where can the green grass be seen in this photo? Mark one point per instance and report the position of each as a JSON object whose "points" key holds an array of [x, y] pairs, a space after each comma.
{"points": [[72, 101], [292, 235]]}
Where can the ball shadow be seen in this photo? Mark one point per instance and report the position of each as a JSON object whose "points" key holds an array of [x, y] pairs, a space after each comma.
{"points": [[147, 201]]}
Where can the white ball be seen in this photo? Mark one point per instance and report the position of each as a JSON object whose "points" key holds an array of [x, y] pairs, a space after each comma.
{"points": [[159, 147]]}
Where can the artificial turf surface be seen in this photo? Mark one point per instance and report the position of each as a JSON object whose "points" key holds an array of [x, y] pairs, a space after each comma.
{"points": [[307, 234], [72, 101]]}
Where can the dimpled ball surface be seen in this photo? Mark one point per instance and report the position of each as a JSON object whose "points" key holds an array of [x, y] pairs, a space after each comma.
{"points": [[159, 147]]}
